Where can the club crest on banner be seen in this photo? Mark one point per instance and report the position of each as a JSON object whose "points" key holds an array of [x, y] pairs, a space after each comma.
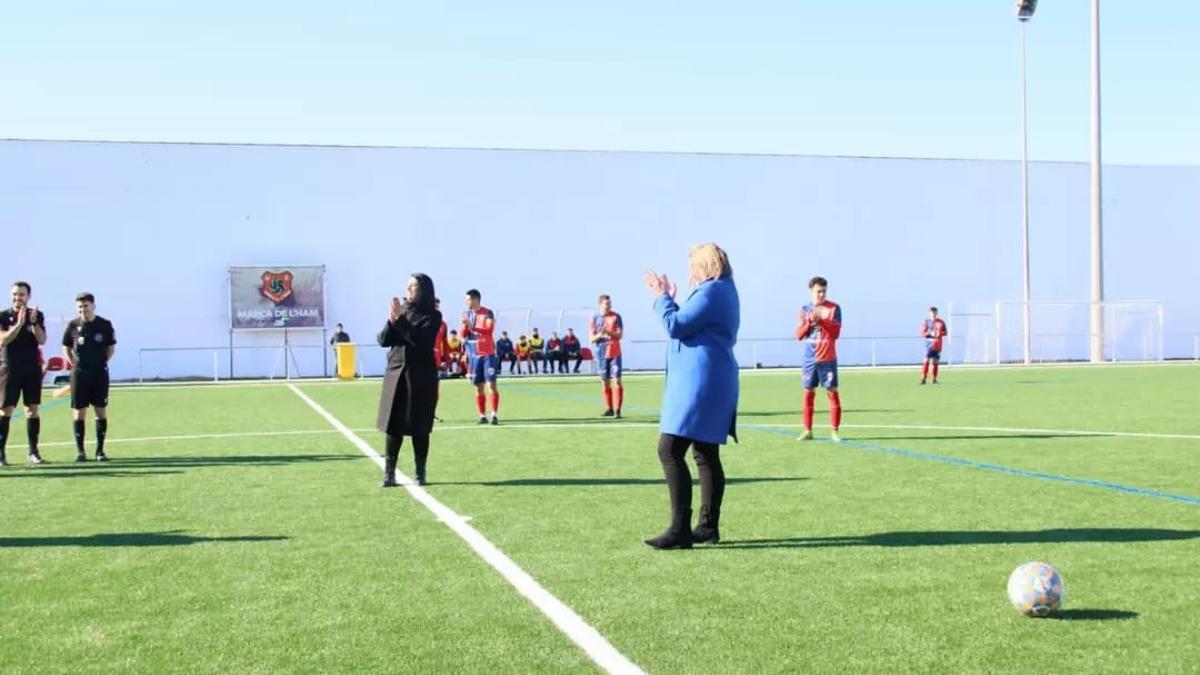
{"points": [[277, 286]]}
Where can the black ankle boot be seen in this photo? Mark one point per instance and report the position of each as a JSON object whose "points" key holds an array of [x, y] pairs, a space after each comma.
{"points": [[389, 470], [678, 535], [706, 526]]}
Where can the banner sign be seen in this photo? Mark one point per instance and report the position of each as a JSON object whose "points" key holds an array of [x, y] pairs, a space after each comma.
{"points": [[276, 297]]}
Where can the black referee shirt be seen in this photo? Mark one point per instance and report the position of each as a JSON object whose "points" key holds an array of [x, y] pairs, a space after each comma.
{"points": [[89, 343], [23, 351]]}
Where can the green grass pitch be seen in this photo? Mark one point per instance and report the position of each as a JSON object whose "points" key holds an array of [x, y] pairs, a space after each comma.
{"points": [[236, 531]]}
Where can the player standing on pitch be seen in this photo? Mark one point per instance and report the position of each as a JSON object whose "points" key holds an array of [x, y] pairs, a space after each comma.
{"points": [[88, 345], [605, 331], [22, 332], [933, 330], [478, 328], [820, 326]]}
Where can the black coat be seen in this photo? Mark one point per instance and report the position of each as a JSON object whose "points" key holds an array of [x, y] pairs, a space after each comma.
{"points": [[410, 383]]}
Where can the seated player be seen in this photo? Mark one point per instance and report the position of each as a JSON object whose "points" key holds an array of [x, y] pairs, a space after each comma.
{"points": [[524, 354], [505, 351], [572, 349], [537, 345], [554, 354], [456, 356]]}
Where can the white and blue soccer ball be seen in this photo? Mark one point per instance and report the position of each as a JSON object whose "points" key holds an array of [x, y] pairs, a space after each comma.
{"points": [[1036, 589]]}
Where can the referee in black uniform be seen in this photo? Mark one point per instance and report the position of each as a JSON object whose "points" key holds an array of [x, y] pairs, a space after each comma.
{"points": [[88, 345], [22, 332]]}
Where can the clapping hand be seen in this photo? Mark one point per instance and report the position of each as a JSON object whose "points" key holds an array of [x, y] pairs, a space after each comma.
{"points": [[395, 309], [659, 285]]}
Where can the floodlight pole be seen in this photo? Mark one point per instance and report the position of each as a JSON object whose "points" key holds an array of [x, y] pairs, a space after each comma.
{"points": [[1097, 318], [1023, 19]]}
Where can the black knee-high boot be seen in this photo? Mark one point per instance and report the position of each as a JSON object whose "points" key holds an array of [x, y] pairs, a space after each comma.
{"points": [[420, 455], [392, 449], [712, 492], [671, 452]]}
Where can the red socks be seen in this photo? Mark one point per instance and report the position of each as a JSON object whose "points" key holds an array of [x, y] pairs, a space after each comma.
{"points": [[480, 403], [925, 371], [620, 391], [494, 399], [810, 396], [835, 410], [935, 369], [608, 396]]}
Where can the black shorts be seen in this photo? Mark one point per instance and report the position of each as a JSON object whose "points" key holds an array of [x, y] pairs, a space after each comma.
{"points": [[89, 389], [23, 384], [933, 354]]}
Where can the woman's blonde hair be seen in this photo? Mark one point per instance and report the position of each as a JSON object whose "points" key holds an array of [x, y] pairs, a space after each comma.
{"points": [[707, 262]]}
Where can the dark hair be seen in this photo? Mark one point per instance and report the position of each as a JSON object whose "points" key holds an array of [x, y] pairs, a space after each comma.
{"points": [[933, 309], [818, 281], [85, 297], [25, 285], [474, 294], [603, 297], [423, 303], [453, 332]]}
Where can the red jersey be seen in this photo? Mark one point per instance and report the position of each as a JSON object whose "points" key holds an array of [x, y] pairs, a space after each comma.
{"points": [[479, 326], [820, 335], [439, 345], [608, 347], [933, 330]]}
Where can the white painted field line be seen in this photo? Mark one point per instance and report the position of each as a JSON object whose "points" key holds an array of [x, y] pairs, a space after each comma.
{"points": [[571, 624], [1010, 430]]}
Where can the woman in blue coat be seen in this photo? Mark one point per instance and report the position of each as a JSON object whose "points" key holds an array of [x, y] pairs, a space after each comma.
{"points": [[699, 408]]}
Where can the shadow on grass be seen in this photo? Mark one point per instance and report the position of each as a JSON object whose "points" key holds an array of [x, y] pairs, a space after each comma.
{"points": [[133, 539], [569, 421], [797, 411], [972, 538], [1092, 615], [82, 472], [184, 461], [586, 482]]}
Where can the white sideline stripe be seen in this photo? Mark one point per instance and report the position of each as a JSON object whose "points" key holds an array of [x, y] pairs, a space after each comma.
{"points": [[1011, 430], [571, 624]]}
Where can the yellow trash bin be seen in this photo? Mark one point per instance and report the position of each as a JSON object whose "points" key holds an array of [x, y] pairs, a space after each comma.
{"points": [[345, 360]]}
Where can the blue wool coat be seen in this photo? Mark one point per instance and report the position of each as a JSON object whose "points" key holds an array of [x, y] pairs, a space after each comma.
{"points": [[701, 392]]}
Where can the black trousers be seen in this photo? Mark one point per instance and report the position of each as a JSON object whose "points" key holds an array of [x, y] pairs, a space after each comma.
{"points": [[671, 452], [420, 445]]}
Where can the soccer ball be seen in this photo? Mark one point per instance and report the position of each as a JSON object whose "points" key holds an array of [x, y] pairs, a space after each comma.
{"points": [[1035, 589]]}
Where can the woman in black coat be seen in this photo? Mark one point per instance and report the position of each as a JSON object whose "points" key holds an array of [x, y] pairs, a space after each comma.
{"points": [[410, 383]]}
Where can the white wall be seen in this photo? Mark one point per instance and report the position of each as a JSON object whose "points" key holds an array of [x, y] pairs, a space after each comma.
{"points": [[151, 228]]}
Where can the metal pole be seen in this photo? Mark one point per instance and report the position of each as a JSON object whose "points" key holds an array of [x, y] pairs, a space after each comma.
{"points": [[1097, 318], [1025, 189]]}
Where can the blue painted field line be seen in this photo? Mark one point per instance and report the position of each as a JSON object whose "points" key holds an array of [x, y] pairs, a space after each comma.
{"points": [[20, 412], [984, 466], [926, 456]]}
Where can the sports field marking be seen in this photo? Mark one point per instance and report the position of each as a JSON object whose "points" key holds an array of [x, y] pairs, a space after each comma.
{"points": [[779, 430], [602, 653], [1010, 430]]}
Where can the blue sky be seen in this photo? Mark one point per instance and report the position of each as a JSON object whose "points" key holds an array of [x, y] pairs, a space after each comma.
{"points": [[865, 77]]}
